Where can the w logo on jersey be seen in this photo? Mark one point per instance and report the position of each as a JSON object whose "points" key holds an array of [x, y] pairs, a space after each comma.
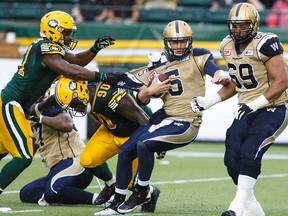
{"points": [[271, 109], [274, 46]]}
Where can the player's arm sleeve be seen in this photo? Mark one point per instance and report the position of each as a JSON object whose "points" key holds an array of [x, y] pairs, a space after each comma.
{"points": [[205, 61], [116, 98], [270, 46], [51, 49]]}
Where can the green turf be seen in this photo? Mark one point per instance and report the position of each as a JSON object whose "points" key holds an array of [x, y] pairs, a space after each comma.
{"points": [[197, 186]]}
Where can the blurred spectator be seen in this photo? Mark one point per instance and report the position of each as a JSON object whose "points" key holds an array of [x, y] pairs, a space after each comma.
{"points": [[91, 10], [172, 4], [111, 11], [123, 11], [217, 4], [268, 3], [278, 16]]}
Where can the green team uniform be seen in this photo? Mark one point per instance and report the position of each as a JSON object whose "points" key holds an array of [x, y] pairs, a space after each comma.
{"points": [[31, 79], [29, 82]]}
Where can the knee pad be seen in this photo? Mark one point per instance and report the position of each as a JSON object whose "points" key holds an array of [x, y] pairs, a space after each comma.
{"points": [[86, 160]]}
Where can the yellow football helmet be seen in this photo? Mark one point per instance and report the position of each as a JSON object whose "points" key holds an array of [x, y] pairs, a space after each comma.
{"points": [[59, 27], [73, 95], [243, 22], [174, 31]]}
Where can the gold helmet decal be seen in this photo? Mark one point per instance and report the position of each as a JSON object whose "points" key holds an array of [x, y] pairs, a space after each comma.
{"points": [[243, 22], [59, 27], [175, 31]]}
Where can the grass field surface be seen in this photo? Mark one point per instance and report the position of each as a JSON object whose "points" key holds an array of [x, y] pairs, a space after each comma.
{"points": [[193, 181]]}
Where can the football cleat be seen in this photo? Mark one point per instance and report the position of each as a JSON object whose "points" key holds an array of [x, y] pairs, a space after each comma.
{"points": [[228, 213], [105, 195], [151, 205], [137, 198], [111, 209]]}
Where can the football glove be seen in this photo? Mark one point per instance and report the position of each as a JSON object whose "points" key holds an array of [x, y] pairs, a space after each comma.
{"points": [[196, 108], [160, 155], [111, 78], [254, 105], [35, 119], [199, 104], [243, 111], [103, 42]]}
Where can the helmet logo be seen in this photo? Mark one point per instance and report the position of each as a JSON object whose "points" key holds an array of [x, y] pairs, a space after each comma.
{"points": [[53, 23], [72, 85]]}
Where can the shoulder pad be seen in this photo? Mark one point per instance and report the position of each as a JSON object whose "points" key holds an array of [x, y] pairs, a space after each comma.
{"points": [[155, 56]]}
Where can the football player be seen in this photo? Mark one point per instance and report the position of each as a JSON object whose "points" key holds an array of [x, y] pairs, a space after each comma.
{"points": [[118, 115], [60, 146], [44, 60], [259, 72], [173, 126]]}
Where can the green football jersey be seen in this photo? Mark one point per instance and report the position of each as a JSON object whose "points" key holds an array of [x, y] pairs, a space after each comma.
{"points": [[103, 110], [31, 79]]}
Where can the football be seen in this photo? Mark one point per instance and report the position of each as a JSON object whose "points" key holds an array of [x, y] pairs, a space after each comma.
{"points": [[161, 78]]}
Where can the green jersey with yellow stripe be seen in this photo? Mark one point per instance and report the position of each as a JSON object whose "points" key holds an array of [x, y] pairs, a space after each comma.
{"points": [[32, 79]]}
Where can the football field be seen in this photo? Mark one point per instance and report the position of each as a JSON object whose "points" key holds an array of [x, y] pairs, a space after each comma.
{"points": [[193, 181]]}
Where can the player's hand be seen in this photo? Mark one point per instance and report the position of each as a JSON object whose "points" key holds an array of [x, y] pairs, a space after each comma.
{"points": [[160, 155], [34, 119], [221, 77], [158, 88], [243, 111], [197, 104], [111, 78], [103, 42]]}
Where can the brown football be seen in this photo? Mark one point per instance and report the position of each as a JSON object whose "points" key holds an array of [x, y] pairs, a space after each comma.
{"points": [[163, 77]]}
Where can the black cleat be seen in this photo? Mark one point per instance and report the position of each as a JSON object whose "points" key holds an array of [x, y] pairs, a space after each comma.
{"points": [[111, 209], [137, 198], [228, 213], [151, 205], [106, 193]]}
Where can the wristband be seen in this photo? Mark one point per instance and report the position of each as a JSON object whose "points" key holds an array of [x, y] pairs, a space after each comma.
{"points": [[41, 119], [224, 74], [258, 103], [37, 112], [98, 77], [94, 50], [211, 100]]}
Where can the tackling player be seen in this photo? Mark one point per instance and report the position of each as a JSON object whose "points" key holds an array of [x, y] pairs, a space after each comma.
{"points": [[44, 60], [256, 65], [60, 146]]}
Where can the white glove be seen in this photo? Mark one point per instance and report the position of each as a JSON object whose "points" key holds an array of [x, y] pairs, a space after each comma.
{"points": [[199, 104]]}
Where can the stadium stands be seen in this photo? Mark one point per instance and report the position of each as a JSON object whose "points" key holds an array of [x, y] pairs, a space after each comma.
{"points": [[192, 11]]}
